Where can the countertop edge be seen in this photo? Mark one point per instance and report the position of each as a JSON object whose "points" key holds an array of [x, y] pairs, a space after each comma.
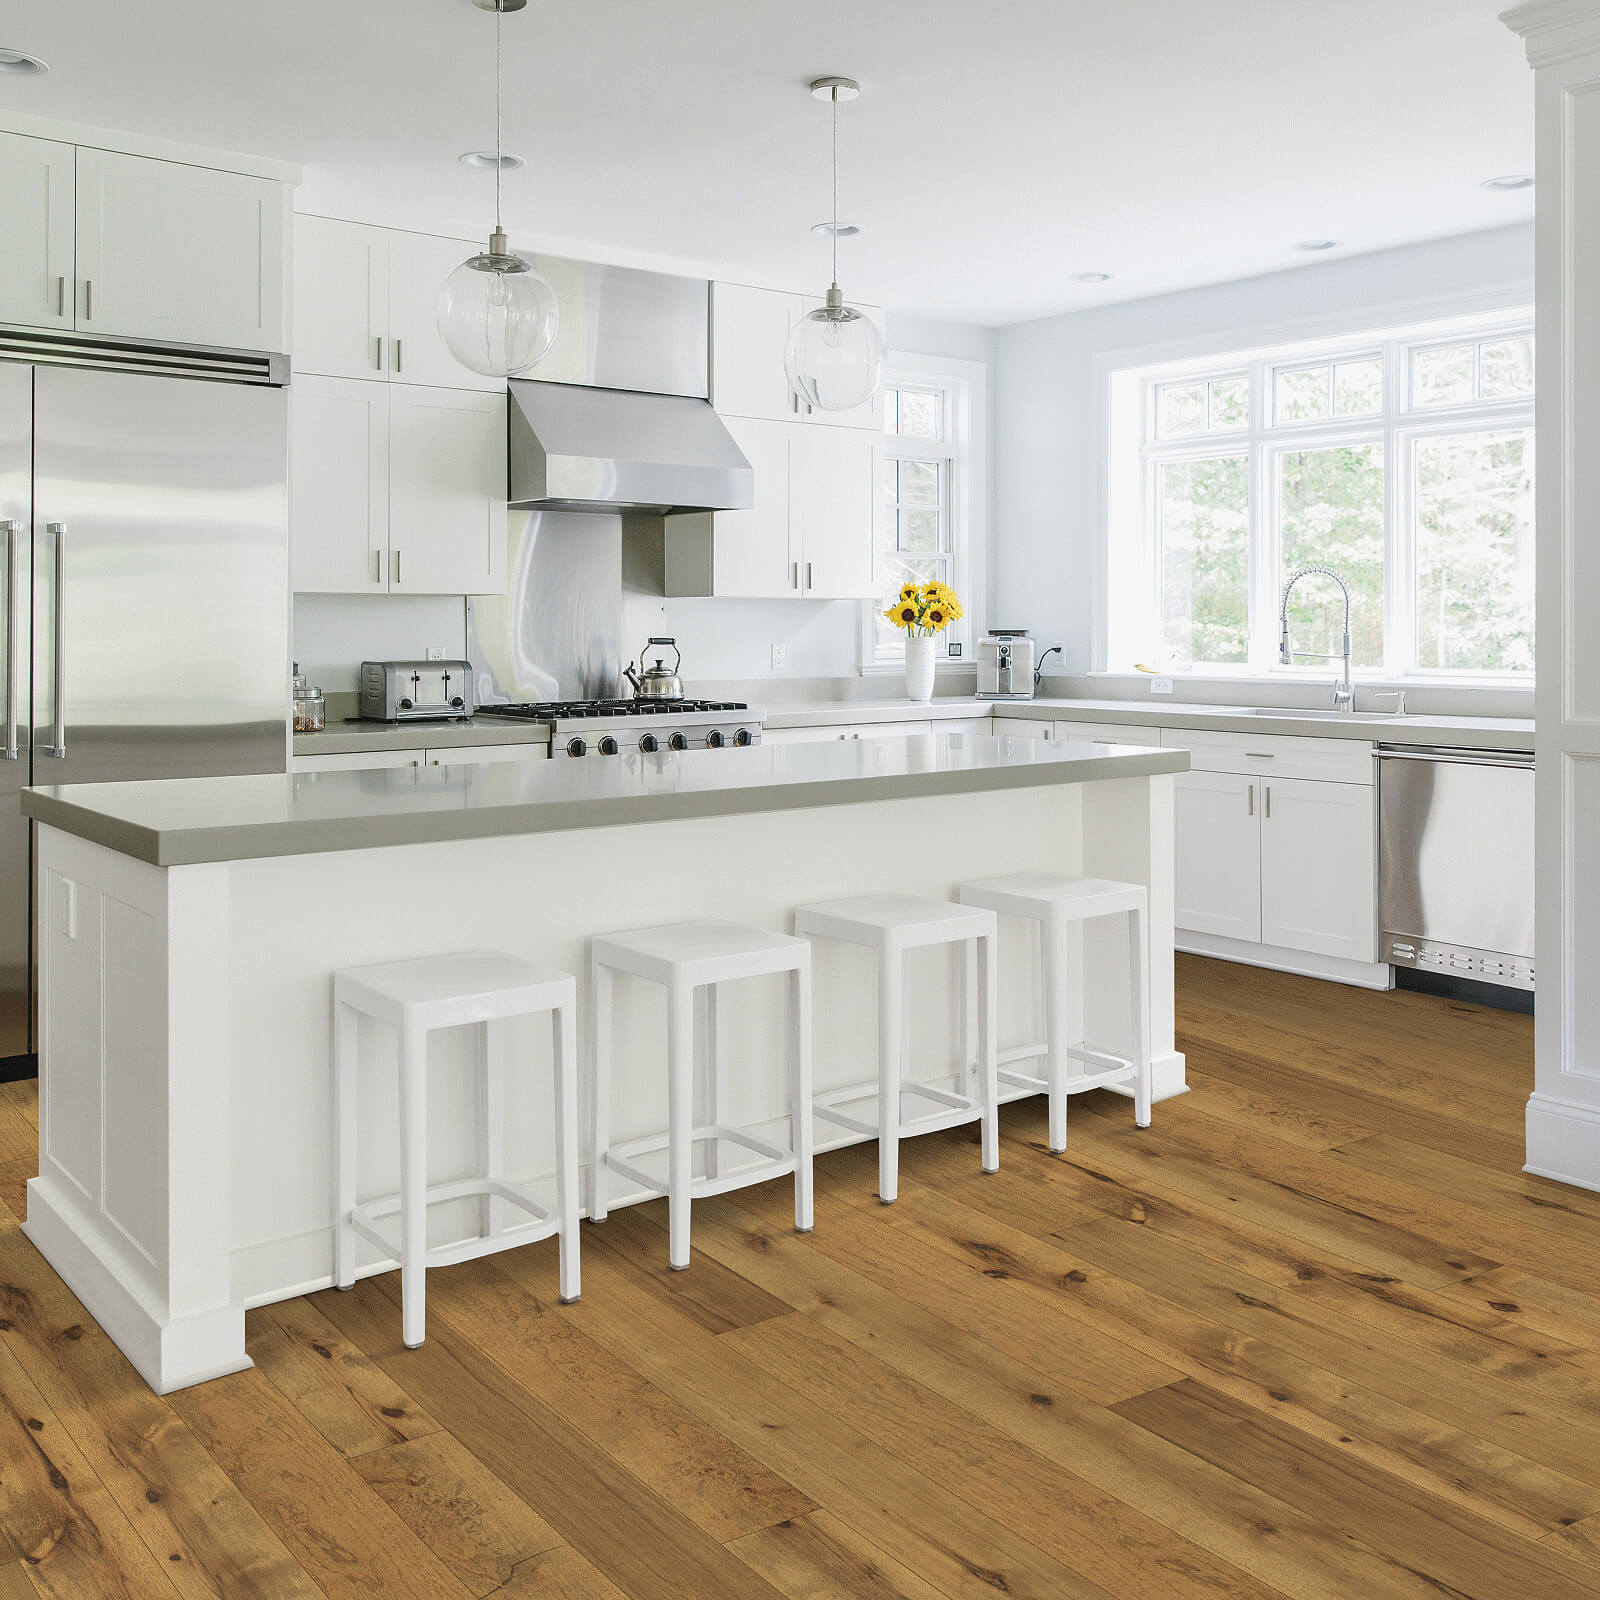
{"points": [[258, 841]]}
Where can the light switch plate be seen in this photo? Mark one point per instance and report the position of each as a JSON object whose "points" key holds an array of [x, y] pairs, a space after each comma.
{"points": [[780, 653], [1161, 686], [436, 652]]}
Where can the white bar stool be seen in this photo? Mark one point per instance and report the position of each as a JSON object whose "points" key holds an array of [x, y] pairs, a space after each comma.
{"points": [[689, 960], [1055, 901], [415, 997], [889, 925]]}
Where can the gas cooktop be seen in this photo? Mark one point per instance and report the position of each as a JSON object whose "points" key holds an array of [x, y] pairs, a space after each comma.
{"points": [[562, 710]]}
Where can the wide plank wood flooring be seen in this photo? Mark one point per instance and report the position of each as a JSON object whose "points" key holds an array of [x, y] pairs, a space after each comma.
{"points": [[1312, 1335]]}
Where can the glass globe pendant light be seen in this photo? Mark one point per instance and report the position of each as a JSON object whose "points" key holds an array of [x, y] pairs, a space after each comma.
{"points": [[835, 355], [496, 314]]}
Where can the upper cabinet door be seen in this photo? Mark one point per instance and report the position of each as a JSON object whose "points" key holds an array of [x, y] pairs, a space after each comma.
{"points": [[447, 506], [833, 477], [339, 485], [749, 330], [1218, 817], [36, 270], [753, 550], [418, 265], [341, 298], [1318, 868], [173, 252], [869, 415]]}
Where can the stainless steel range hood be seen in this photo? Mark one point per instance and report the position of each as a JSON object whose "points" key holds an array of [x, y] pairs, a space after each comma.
{"points": [[577, 448], [616, 418]]}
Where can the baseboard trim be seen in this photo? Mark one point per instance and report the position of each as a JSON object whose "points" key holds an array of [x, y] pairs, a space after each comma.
{"points": [[1334, 969], [1563, 1141]]}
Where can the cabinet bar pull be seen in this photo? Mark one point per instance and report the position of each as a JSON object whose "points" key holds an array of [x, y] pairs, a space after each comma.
{"points": [[1267, 798], [58, 749], [13, 540], [1250, 801], [397, 355], [378, 341], [61, 297], [794, 581], [809, 581], [394, 565], [377, 566], [1261, 755], [88, 299]]}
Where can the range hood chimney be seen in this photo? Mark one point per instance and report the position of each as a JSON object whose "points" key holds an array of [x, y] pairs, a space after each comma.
{"points": [[617, 418]]}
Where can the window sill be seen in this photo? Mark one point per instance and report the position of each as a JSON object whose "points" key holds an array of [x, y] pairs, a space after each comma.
{"points": [[1362, 680]]}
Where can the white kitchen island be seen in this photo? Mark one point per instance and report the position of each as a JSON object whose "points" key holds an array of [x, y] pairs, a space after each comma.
{"points": [[188, 931]]}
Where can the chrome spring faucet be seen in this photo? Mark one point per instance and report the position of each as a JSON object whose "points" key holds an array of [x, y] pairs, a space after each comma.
{"points": [[1344, 694]]}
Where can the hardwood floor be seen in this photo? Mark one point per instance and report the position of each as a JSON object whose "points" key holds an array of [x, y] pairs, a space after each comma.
{"points": [[1313, 1335]]}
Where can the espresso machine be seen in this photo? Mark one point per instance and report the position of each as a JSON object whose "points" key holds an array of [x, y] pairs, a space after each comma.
{"points": [[1005, 665]]}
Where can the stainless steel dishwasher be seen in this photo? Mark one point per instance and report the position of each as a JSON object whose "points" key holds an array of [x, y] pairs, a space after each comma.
{"points": [[1456, 852]]}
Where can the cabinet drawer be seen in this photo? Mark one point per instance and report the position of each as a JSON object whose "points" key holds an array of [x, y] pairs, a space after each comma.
{"points": [[1023, 727], [474, 755], [966, 725], [356, 761], [1274, 755], [1106, 733]]}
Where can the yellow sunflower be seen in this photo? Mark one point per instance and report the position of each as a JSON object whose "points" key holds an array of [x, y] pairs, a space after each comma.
{"points": [[909, 591], [901, 615], [937, 615]]}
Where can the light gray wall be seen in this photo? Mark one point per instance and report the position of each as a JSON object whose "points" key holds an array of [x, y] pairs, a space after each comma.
{"points": [[1045, 432]]}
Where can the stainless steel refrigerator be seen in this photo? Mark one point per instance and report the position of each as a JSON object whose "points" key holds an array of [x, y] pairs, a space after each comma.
{"points": [[145, 608]]}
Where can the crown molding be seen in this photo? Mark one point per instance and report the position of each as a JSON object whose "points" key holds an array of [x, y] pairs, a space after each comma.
{"points": [[1556, 30]]}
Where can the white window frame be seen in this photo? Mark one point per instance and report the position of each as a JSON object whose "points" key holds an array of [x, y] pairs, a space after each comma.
{"points": [[1132, 453], [964, 455]]}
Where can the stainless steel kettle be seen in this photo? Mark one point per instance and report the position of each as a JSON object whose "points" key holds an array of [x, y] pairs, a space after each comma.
{"points": [[657, 683]]}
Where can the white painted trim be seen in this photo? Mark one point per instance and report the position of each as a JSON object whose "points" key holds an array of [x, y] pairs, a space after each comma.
{"points": [[1555, 30], [138, 144], [1359, 974], [1563, 1140]]}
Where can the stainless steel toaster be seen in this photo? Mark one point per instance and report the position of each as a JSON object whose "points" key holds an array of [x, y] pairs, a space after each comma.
{"points": [[416, 691]]}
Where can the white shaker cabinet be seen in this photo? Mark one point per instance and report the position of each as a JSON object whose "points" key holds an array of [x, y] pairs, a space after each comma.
{"points": [[396, 488], [1106, 733], [172, 252], [365, 301], [753, 554], [339, 486], [1219, 869], [447, 491], [1318, 867], [37, 275]]}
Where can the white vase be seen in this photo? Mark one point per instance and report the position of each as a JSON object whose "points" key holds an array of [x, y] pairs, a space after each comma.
{"points": [[919, 668]]}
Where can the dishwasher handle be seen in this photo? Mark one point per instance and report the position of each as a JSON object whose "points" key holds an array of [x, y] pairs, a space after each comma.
{"points": [[1458, 757]]}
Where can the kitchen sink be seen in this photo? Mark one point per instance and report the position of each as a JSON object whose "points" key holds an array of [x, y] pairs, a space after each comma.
{"points": [[1348, 716]]}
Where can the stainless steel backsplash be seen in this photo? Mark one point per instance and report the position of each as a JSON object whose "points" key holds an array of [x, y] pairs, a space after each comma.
{"points": [[556, 634]]}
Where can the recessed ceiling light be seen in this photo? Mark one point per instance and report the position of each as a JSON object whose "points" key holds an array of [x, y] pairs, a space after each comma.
{"points": [[16, 61], [844, 230], [487, 160], [1090, 277], [1316, 244], [1512, 180]]}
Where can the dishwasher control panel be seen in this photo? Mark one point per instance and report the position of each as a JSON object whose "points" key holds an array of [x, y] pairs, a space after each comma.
{"points": [[1487, 966]]}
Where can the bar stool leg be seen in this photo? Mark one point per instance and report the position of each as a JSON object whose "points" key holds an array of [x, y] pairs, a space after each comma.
{"points": [[988, 1034], [1138, 985], [491, 1128], [600, 990], [891, 1023], [800, 1130], [716, 1099], [680, 1120], [564, 1042], [346, 1067], [970, 1050], [1053, 980], [413, 1184]]}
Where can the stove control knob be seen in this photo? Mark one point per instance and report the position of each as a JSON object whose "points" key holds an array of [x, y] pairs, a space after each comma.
{"points": [[677, 741], [405, 705], [742, 737], [608, 746], [649, 743], [714, 740], [577, 747], [457, 703]]}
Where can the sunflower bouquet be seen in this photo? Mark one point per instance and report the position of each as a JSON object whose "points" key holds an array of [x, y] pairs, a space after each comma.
{"points": [[924, 609]]}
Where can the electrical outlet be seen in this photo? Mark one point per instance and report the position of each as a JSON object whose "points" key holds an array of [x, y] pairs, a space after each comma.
{"points": [[1161, 686], [435, 652], [780, 653]]}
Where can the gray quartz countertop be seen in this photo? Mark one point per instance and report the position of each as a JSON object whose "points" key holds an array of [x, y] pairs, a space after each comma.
{"points": [[829, 713], [1499, 733], [176, 822], [353, 737]]}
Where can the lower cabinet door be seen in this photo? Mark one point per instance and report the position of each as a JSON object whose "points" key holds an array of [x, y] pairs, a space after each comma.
{"points": [[1319, 867], [1219, 854]]}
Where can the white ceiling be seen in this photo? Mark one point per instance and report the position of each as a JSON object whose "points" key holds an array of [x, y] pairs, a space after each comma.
{"points": [[999, 145]]}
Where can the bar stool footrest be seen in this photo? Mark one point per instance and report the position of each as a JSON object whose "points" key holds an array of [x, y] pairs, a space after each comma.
{"points": [[779, 1161], [365, 1220], [956, 1109]]}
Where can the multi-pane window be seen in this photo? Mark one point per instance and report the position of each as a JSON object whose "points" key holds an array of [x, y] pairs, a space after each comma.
{"points": [[921, 458], [1403, 462]]}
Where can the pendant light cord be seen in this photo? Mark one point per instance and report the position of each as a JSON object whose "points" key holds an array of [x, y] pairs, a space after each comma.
{"points": [[499, 137], [833, 98]]}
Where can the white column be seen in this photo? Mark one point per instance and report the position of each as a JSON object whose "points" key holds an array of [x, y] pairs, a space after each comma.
{"points": [[1563, 1118]]}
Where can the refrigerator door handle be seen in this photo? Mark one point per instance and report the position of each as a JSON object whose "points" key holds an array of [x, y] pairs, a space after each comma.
{"points": [[58, 747], [13, 532]]}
